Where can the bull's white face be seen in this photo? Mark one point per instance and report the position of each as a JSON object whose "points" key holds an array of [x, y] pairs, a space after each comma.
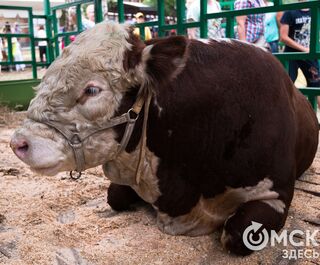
{"points": [[81, 89]]}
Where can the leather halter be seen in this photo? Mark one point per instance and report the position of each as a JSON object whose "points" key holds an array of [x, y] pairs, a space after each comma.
{"points": [[76, 138]]}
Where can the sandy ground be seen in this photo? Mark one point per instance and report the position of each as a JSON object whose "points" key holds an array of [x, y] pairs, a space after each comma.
{"points": [[54, 220]]}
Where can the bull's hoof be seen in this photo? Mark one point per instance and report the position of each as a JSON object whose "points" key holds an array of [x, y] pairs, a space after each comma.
{"points": [[232, 241], [252, 224], [121, 198]]}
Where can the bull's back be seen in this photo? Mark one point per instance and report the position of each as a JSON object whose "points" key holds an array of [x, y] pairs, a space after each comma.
{"points": [[307, 138]]}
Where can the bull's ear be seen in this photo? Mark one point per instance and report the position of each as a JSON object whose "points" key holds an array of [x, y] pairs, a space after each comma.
{"points": [[164, 58], [133, 56]]}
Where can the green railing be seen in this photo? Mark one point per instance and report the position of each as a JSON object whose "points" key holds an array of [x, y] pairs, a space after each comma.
{"points": [[66, 35], [54, 36], [77, 6], [182, 25], [30, 35]]}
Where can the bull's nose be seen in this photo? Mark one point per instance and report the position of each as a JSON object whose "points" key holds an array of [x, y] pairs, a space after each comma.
{"points": [[20, 147]]}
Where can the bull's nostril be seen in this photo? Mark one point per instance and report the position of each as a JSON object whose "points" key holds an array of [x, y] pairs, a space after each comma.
{"points": [[23, 147], [20, 147]]}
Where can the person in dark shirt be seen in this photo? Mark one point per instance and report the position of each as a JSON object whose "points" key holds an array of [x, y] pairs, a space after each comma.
{"points": [[295, 34]]}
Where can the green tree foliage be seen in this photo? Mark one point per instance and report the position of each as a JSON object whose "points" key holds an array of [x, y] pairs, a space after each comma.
{"points": [[170, 6]]}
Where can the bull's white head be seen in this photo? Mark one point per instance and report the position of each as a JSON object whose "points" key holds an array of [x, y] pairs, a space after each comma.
{"points": [[84, 88]]}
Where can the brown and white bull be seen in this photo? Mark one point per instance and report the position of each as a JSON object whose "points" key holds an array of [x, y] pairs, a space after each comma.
{"points": [[221, 144]]}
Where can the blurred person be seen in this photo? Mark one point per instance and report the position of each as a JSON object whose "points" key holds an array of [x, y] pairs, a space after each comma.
{"points": [[140, 19], [7, 27], [105, 10], [250, 28], [42, 44], [172, 32], [295, 34], [188, 3], [6, 30], [271, 31], [17, 54], [88, 22], [16, 28], [214, 25], [71, 20], [90, 13]]}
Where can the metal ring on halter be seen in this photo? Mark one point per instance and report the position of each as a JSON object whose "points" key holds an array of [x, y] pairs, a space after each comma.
{"points": [[75, 176], [133, 115]]}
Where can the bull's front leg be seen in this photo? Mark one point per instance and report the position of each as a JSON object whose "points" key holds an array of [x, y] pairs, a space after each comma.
{"points": [[124, 190], [267, 214], [121, 197]]}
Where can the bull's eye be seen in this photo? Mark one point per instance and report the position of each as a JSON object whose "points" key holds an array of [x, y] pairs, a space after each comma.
{"points": [[92, 91]]}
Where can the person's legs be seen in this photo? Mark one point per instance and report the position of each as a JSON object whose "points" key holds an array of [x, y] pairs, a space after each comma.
{"points": [[310, 69], [274, 46], [42, 50], [16, 59], [40, 53], [293, 70]]}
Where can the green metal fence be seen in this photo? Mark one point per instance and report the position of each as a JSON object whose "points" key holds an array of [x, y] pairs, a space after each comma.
{"points": [[77, 6], [30, 35], [54, 36], [17, 93]]}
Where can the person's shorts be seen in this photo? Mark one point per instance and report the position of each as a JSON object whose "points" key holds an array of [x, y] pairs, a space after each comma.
{"points": [[310, 69]]}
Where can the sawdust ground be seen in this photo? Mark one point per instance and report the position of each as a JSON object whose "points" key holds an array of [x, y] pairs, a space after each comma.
{"points": [[54, 220]]}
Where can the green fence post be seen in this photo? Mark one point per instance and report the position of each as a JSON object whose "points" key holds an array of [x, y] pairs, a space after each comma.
{"points": [[314, 31], [50, 52], [10, 55], [55, 32], [33, 52], [203, 19], [79, 18], [121, 11], [313, 101], [276, 2], [230, 27], [98, 11], [66, 40], [180, 17], [161, 20], [142, 31], [47, 12], [46, 7]]}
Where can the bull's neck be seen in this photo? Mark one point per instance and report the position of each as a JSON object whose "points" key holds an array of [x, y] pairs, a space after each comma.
{"points": [[122, 171]]}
